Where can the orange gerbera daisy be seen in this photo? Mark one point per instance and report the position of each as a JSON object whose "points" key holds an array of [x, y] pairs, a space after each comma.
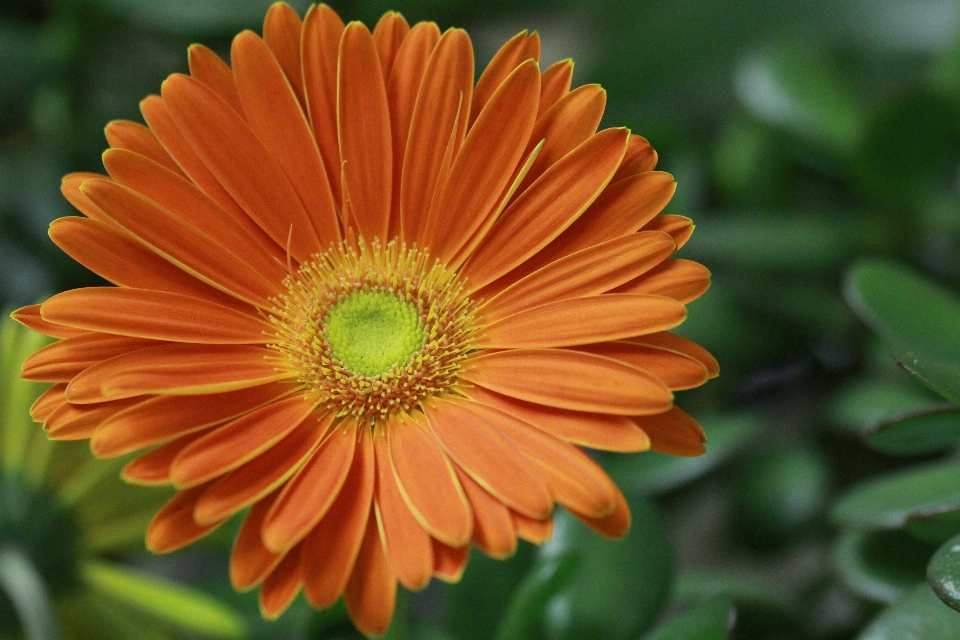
{"points": [[376, 303]]}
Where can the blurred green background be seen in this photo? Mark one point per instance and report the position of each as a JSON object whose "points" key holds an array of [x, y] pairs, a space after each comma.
{"points": [[805, 137]]}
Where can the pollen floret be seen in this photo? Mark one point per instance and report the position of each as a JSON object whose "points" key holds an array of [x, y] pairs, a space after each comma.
{"points": [[373, 330]]}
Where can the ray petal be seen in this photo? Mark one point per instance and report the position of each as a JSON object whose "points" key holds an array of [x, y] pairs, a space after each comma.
{"points": [[173, 526], [533, 531], [517, 50], [156, 315], [449, 562], [319, 51], [614, 525], [64, 359], [554, 84], [677, 370], [674, 432], [363, 120], [153, 468], [78, 422], [164, 417], [549, 206], [330, 550], [309, 495], [408, 545], [679, 227], [447, 85], [250, 560], [570, 380], [388, 37], [282, 585], [371, 592], [70, 188], [133, 136], [682, 280], [48, 402], [488, 457], [594, 430], [210, 69], [29, 316], [278, 121], [428, 482], [492, 527], [588, 272], [240, 163], [282, 29], [575, 321], [640, 158], [682, 345], [227, 447], [486, 163]]}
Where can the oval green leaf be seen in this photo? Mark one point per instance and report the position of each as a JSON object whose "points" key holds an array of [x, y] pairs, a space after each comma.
{"points": [[918, 432], [939, 376], [943, 573], [525, 615], [880, 565], [919, 616]]}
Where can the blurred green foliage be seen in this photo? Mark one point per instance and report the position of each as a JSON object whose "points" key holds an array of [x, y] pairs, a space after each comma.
{"points": [[804, 136]]}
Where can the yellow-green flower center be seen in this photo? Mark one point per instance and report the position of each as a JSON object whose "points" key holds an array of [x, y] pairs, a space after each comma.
{"points": [[371, 331]]}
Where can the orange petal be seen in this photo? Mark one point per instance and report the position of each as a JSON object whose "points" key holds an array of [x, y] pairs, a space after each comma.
{"points": [[408, 545], [184, 200], [533, 531], [678, 371], [241, 163], [575, 321], [486, 162], [371, 592], [549, 206], [156, 315], [276, 118], [566, 125], [575, 481], [207, 67], [114, 254], [388, 36], [310, 494], [555, 83], [673, 342], [319, 48], [176, 369], [594, 430], [674, 432], [157, 115], [64, 359], [133, 136], [570, 380], [48, 402], [471, 438], [622, 208], [492, 527], [173, 526], [428, 483], [512, 54], [154, 468], [180, 243], [70, 188], [363, 120], [446, 87], [164, 417], [449, 562], [640, 158], [330, 550], [614, 525], [683, 280], [77, 422], [227, 447], [250, 561], [588, 272], [29, 317], [679, 227], [261, 475], [282, 585], [403, 86], [281, 32]]}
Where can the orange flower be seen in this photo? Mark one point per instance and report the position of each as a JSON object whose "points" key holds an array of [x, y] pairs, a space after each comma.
{"points": [[377, 304]]}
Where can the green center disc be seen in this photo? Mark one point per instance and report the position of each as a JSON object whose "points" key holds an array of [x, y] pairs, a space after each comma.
{"points": [[370, 331]]}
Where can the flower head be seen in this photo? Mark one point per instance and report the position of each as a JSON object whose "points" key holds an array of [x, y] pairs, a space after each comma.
{"points": [[377, 304]]}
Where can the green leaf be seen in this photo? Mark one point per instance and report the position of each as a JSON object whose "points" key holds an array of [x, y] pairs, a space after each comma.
{"points": [[890, 501], [764, 609], [943, 573], [622, 584], [919, 616], [887, 296], [182, 606], [709, 620], [653, 473], [880, 565], [524, 617], [941, 377], [860, 406], [918, 432]]}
